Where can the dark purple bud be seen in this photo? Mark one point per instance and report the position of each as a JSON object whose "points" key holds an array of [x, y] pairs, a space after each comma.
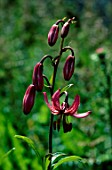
{"points": [[38, 80], [67, 127], [28, 100], [68, 69], [53, 35], [65, 29]]}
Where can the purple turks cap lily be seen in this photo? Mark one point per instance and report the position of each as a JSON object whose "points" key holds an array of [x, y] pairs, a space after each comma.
{"points": [[64, 110], [57, 109]]}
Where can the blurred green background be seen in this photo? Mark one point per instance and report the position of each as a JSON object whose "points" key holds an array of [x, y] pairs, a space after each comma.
{"points": [[24, 26]]}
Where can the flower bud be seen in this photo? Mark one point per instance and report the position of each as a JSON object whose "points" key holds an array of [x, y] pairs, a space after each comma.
{"points": [[69, 67], [28, 100], [67, 127], [65, 29], [53, 35], [38, 80]]}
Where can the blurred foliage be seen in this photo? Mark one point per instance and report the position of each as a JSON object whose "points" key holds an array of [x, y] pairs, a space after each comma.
{"points": [[23, 42]]}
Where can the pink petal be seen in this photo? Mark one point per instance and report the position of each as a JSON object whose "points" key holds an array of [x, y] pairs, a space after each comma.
{"points": [[53, 110], [74, 107], [82, 115], [55, 100]]}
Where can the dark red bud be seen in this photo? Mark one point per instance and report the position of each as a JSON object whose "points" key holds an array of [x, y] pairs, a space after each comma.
{"points": [[38, 80], [67, 127], [28, 100], [53, 35], [68, 69], [65, 29]]}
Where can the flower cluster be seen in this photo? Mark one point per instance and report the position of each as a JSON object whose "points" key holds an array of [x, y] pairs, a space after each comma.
{"points": [[61, 110], [54, 31]]}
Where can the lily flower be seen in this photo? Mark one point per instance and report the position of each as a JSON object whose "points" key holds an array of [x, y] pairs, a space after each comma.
{"points": [[64, 109]]}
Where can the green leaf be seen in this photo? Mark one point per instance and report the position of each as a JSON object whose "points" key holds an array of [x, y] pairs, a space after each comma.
{"points": [[57, 155], [66, 88], [31, 144], [53, 158], [47, 161], [66, 159], [7, 154]]}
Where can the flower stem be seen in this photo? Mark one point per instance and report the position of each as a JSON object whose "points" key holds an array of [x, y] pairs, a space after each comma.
{"points": [[52, 91]]}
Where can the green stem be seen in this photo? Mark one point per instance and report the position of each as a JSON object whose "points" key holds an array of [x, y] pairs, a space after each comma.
{"points": [[52, 91]]}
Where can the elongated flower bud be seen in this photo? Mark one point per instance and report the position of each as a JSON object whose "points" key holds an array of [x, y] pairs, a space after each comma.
{"points": [[67, 127], [65, 29], [53, 35], [28, 100], [68, 67], [38, 80]]}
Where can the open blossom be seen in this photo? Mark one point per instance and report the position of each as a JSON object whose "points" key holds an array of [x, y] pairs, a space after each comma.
{"points": [[64, 109]]}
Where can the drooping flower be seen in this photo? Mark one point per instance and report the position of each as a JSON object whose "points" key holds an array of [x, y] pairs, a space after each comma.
{"points": [[28, 99], [64, 110]]}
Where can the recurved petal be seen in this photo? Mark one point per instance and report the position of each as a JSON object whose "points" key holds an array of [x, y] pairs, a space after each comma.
{"points": [[82, 115], [53, 110], [55, 100], [74, 107]]}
